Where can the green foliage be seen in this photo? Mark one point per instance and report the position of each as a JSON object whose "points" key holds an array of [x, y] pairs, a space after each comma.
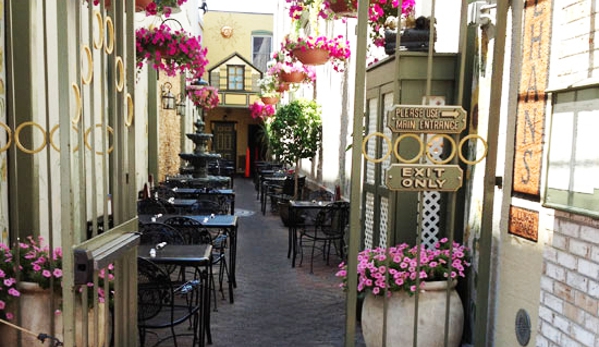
{"points": [[296, 131]]}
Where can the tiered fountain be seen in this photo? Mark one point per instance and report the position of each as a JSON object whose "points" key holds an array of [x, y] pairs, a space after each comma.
{"points": [[200, 158]]}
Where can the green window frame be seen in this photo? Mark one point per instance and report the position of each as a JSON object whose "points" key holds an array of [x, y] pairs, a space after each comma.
{"points": [[573, 160]]}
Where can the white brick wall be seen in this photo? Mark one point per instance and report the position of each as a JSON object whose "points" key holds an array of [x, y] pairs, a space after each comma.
{"points": [[569, 303]]}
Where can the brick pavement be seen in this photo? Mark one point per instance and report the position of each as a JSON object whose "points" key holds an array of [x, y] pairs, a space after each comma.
{"points": [[275, 304]]}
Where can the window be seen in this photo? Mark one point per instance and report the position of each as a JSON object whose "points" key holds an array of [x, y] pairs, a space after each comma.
{"points": [[573, 165], [261, 49], [235, 77]]}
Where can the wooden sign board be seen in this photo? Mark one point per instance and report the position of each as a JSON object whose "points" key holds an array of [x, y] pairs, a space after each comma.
{"points": [[524, 223], [419, 178], [427, 119]]}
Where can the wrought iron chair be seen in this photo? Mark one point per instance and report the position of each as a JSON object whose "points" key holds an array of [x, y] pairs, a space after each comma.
{"points": [[284, 191], [328, 229], [207, 207], [151, 206], [163, 304], [195, 233], [155, 233], [308, 217]]}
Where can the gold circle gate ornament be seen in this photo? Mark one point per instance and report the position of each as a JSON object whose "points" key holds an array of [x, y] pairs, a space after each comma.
{"points": [[109, 45], [130, 111], [100, 40], [18, 140], [394, 147], [51, 136], [89, 130], [120, 73], [8, 137]]}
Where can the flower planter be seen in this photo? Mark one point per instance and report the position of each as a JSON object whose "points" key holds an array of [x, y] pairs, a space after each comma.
{"points": [[400, 317], [341, 8], [270, 100], [293, 77], [283, 87], [315, 56], [140, 5], [35, 311]]}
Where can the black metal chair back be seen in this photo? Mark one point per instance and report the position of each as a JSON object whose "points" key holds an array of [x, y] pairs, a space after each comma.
{"points": [[206, 207], [329, 229], [163, 304], [192, 230], [154, 233], [151, 206]]}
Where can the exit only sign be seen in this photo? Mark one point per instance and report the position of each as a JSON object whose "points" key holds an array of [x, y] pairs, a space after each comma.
{"points": [[409, 177]]}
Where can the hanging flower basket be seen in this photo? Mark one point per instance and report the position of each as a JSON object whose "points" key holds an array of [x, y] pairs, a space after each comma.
{"points": [[140, 5], [204, 97], [283, 87], [311, 56], [342, 8], [260, 110], [270, 100], [293, 77], [170, 51], [318, 50]]}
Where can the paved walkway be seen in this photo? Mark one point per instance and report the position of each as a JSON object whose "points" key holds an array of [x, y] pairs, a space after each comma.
{"points": [[275, 304]]}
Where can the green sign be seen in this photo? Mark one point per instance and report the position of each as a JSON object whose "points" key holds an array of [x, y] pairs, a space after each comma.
{"points": [[418, 178], [427, 119]]}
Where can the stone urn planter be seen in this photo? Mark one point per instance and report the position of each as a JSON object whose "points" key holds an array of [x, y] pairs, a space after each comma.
{"points": [[400, 317], [35, 310]]}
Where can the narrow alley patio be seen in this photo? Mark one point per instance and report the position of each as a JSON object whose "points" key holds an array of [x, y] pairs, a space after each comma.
{"points": [[275, 304]]}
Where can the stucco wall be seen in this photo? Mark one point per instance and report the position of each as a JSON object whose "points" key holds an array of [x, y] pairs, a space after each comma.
{"points": [[242, 25]]}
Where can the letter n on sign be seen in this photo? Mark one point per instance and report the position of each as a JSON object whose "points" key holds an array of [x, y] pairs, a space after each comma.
{"points": [[524, 223]]}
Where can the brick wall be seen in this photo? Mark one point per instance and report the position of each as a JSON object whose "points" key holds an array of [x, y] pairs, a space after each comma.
{"points": [[569, 302]]}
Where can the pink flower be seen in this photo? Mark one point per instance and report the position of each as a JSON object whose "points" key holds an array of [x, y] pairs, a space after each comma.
{"points": [[14, 292], [204, 97]]}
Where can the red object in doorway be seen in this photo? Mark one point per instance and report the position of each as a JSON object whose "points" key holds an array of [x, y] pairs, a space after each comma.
{"points": [[247, 162]]}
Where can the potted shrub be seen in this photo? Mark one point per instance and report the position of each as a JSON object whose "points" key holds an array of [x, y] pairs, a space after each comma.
{"points": [[39, 273], [393, 275], [296, 133], [170, 51]]}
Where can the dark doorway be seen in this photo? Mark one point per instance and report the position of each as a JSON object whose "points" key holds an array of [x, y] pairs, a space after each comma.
{"points": [[224, 140], [256, 144]]}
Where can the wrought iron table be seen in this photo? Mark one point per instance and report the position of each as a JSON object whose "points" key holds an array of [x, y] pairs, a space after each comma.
{"points": [[196, 256]]}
